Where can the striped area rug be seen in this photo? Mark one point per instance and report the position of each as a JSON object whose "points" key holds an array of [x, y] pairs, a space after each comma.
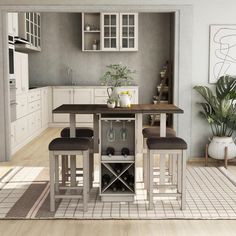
{"points": [[24, 194]]}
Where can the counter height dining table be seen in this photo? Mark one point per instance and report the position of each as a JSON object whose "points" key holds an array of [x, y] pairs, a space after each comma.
{"points": [[137, 110]]}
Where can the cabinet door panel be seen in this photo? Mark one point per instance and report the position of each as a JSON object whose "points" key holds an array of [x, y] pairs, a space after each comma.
{"points": [[22, 105], [109, 31], [128, 31], [21, 129], [61, 96], [84, 96]]}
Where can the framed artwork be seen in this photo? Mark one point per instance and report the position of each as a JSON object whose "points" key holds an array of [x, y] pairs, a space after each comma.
{"points": [[222, 51]]}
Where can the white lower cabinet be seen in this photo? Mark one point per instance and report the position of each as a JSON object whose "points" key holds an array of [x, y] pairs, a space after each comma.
{"points": [[32, 117], [83, 96], [72, 96], [62, 96]]}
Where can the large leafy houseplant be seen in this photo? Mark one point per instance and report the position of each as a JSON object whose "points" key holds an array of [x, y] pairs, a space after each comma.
{"points": [[219, 108]]}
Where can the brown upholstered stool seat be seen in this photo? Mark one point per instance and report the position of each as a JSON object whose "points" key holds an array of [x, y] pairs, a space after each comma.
{"points": [[166, 143], [82, 132], [154, 132], [69, 144]]}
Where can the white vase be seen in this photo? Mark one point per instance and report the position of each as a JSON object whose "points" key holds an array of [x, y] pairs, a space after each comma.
{"points": [[217, 146], [111, 105]]}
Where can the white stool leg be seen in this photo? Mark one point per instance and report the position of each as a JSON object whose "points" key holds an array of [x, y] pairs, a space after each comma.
{"points": [[85, 179], [56, 173], [170, 167], [162, 169], [145, 164], [52, 181], [183, 181], [174, 174], [150, 160], [179, 173]]}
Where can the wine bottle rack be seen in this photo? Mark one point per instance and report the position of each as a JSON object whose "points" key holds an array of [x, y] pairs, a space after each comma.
{"points": [[117, 176], [117, 188]]}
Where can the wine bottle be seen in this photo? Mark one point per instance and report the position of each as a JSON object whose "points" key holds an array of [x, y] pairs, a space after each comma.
{"points": [[125, 176], [130, 180], [125, 151], [105, 180], [120, 186], [114, 187], [110, 151], [118, 168]]}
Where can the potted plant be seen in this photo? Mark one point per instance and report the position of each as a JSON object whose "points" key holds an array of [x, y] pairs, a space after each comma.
{"points": [[219, 110], [117, 75], [111, 102]]}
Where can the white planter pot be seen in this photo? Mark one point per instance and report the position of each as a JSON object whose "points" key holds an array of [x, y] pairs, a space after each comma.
{"points": [[217, 146], [111, 105]]}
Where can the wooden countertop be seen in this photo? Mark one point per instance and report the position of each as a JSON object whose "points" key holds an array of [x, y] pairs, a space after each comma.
{"points": [[103, 109]]}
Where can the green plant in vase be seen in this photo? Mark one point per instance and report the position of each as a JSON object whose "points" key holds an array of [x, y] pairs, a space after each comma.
{"points": [[117, 75]]}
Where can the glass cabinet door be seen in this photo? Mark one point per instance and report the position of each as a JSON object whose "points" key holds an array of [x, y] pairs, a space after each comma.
{"points": [[128, 32], [110, 32]]}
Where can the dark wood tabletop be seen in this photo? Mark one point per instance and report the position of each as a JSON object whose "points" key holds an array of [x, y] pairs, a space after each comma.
{"points": [[103, 109]]}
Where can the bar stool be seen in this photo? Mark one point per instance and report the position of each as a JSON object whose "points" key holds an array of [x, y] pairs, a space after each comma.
{"points": [[154, 132], [63, 147], [80, 132], [163, 146]]}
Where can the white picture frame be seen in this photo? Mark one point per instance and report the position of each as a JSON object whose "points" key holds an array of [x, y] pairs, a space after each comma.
{"points": [[222, 58]]}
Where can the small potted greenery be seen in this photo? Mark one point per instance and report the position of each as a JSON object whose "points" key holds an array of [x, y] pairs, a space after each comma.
{"points": [[111, 102], [219, 110], [117, 75]]}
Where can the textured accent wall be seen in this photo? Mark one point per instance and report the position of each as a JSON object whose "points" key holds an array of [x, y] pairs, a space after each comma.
{"points": [[61, 48]]}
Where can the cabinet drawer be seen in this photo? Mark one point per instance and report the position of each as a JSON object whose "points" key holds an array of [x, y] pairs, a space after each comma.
{"points": [[21, 129], [22, 106], [100, 92], [100, 100], [33, 96], [34, 106]]}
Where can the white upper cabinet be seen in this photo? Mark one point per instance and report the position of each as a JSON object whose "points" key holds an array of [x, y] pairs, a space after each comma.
{"points": [[128, 31], [13, 24], [30, 30], [109, 32], [21, 72]]}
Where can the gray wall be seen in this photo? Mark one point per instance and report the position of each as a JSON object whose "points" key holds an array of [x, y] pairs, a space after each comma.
{"points": [[61, 48]]}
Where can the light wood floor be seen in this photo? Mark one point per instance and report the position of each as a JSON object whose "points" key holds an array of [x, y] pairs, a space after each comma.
{"points": [[36, 154]]}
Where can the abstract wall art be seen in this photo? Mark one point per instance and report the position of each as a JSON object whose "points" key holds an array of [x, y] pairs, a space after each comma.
{"points": [[222, 51]]}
